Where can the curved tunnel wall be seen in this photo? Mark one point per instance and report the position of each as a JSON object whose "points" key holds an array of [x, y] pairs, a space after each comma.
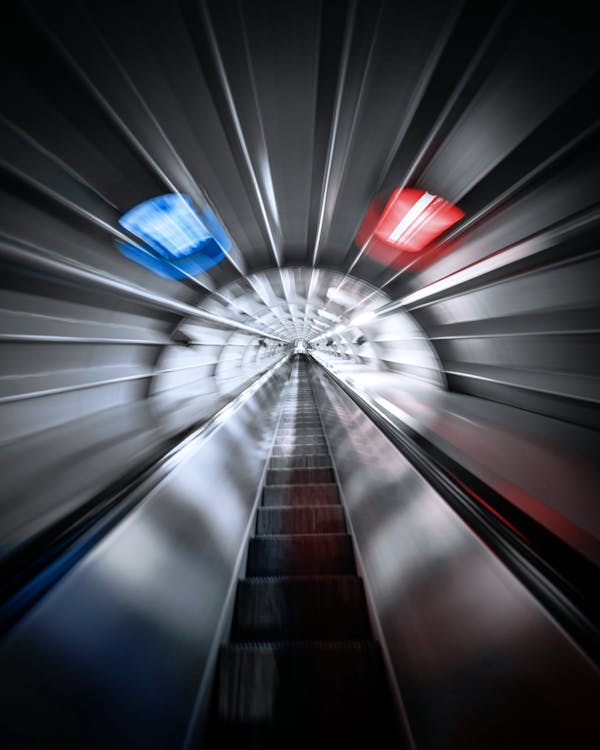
{"points": [[93, 384], [289, 143]]}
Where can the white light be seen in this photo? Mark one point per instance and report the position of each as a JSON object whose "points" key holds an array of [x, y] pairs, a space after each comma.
{"points": [[336, 295], [397, 411], [339, 328], [364, 317], [411, 216], [328, 315]]}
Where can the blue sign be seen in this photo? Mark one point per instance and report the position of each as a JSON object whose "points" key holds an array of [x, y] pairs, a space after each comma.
{"points": [[178, 240]]}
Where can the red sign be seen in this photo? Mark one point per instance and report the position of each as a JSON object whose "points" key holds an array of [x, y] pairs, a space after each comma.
{"points": [[413, 218]]}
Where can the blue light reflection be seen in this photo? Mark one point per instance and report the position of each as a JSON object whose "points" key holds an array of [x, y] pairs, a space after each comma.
{"points": [[180, 241]]}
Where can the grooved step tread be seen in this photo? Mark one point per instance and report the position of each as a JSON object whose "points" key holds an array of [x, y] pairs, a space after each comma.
{"points": [[315, 446], [299, 476], [304, 419], [298, 554], [300, 450], [309, 519], [295, 429], [302, 669], [303, 438], [300, 429], [283, 608], [300, 462], [324, 493], [300, 437], [313, 695]]}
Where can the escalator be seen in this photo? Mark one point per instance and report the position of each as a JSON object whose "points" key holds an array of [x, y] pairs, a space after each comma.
{"points": [[222, 603], [301, 668]]}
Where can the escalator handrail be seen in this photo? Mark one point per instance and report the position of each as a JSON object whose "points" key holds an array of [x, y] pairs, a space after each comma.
{"points": [[29, 571], [560, 577]]}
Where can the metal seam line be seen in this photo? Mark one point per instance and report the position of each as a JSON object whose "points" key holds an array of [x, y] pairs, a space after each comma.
{"points": [[66, 268], [114, 117], [220, 67], [348, 33]]}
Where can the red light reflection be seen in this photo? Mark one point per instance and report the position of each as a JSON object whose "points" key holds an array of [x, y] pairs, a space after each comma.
{"points": [[393, 231]]}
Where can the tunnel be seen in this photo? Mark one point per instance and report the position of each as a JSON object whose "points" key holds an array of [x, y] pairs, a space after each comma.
{"points": [[300, 375]]}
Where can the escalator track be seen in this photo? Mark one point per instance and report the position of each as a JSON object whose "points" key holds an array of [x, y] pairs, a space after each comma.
{"points": [[301, 668]]}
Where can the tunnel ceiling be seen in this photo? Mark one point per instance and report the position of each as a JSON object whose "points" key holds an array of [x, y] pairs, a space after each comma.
{"points": [[298, 303], [289, 120], [293, 123]]}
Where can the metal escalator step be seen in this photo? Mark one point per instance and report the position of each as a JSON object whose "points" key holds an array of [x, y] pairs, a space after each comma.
{"points": [[299, 447], [301, 444], [302, 412], [298, 438], [300, 422], [300, 554], [293, 419], [317, 695], [300, 450], [299, 419], [299, 609], [302, 435], [309, 519], [304, 461], [300, 429], [299, 476], [301, 494]]}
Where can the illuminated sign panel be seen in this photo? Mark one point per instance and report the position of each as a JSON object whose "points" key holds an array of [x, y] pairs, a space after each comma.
{"points": [[413, 218], [178, 241]]}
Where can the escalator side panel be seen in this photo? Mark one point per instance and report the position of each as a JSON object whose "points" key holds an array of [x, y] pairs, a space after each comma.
{"points": [[477, 660], [112, 657]]}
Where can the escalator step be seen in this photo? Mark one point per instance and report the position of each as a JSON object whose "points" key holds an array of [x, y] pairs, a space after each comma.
{"points": [[280, 608], [301, 414], [297, 426], [301, 494], [300, 450], [300, 439], [290, 447], [298, 447], [299, 476], [300, 554], [300, 462], [310, 519], [299, 436], [313, 695]]}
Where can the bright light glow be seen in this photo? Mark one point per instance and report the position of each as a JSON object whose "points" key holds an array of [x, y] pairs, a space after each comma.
{"points": [[411, 216], [412, 219], [328, 315], [397, 411], [336, 295], [168, 223], [364, 317], [181, 241], [339, 329]]}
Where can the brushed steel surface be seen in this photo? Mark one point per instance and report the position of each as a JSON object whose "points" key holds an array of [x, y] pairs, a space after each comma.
{"points": [[113, 656], [477, 660]]}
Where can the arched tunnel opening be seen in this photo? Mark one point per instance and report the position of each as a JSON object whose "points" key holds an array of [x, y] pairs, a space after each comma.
{"points": [[299, 379]]}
